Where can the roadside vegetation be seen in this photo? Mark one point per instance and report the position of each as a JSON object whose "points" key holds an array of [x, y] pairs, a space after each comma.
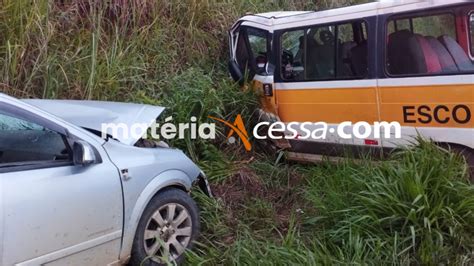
{"points": [[416, 207]]}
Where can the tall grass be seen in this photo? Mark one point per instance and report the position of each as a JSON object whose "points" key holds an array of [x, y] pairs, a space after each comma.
{"points": [[113, 50], [95, 50]]}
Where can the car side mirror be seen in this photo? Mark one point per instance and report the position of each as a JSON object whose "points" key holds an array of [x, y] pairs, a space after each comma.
{"points": [[236, 73], [83, 153]]}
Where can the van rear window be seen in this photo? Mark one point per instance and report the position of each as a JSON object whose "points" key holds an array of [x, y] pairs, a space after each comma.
{"points": [[425, 45]]}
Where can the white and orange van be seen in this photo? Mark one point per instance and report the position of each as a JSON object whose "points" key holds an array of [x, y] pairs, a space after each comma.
{"points": [[408, 61]]}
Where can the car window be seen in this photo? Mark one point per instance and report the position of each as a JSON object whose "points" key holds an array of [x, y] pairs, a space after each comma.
{"points": [[425, 45], [22, 141]]}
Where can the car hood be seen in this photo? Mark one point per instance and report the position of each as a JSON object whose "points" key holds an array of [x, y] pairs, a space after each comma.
{"points": [[92, 114]]}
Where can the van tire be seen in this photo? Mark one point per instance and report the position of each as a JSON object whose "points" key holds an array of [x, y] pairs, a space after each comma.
{"points": [[464, 151], [160, 203], [468, 155]]}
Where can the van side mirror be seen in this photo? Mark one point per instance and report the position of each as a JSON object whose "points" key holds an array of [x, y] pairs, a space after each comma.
{"points": [[83, 153], [236, 73]]}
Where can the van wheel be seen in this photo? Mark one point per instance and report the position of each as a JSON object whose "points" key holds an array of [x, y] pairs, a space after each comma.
{"points": [[168, 226], [466, 152], [469, 156]]}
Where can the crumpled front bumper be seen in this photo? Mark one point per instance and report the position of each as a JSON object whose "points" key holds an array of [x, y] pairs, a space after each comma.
{"points": [[203, 184]]}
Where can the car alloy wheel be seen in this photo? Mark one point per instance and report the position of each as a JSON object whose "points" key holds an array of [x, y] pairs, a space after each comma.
{"points": [[167, 232], [168, 226]]}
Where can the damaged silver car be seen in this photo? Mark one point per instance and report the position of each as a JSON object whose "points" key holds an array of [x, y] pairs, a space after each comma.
{"points": [[69, 196]]}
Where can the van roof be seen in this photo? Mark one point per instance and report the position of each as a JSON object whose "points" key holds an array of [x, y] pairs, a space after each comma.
{"points": [[362, 10]]}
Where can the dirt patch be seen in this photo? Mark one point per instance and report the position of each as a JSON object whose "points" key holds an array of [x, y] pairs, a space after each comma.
{"points": [[242, 185], [245, 185]]}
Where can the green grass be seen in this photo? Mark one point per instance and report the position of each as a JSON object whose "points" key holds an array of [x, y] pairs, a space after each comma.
{"points": [[416, 208]]}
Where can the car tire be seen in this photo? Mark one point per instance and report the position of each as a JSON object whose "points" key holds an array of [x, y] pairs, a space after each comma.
{"points": [[160, 238]]}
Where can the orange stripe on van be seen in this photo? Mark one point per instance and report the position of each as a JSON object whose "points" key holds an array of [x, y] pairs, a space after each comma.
{"points": [[428, 94], [328, 105], [360, 104], [428, 98]]}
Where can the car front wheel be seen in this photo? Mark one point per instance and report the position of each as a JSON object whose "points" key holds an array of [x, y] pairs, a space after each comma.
{"points": [[168, 226]]}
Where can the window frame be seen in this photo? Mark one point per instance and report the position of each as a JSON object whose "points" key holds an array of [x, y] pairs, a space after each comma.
{"points": [[336, 24], [33, 166], [411, 15], [22, 114], [470, 29]]}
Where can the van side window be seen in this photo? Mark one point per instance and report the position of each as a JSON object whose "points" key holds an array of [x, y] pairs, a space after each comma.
{"points": [[292, 58], [321, 53], [471, 28], [425, 45], [330, 52], [398, 25]]}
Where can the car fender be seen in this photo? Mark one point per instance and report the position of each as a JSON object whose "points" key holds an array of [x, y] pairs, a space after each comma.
{"points": [[161, 181]]}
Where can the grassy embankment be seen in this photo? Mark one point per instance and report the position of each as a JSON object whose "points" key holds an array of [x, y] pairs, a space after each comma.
{"points": [[415, 208]]}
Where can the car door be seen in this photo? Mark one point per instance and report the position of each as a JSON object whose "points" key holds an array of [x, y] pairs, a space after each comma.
{"points": [[54, 212]]}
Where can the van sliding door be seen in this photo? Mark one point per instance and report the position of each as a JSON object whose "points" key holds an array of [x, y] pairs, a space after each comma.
{"points": [[324, 75]]}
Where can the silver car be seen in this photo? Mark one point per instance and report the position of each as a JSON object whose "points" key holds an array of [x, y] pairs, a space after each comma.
{"points": [[69, 196]]}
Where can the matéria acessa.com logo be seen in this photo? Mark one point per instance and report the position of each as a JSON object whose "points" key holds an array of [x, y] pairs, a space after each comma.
{"points": [[309, 130], [262, 130]]}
